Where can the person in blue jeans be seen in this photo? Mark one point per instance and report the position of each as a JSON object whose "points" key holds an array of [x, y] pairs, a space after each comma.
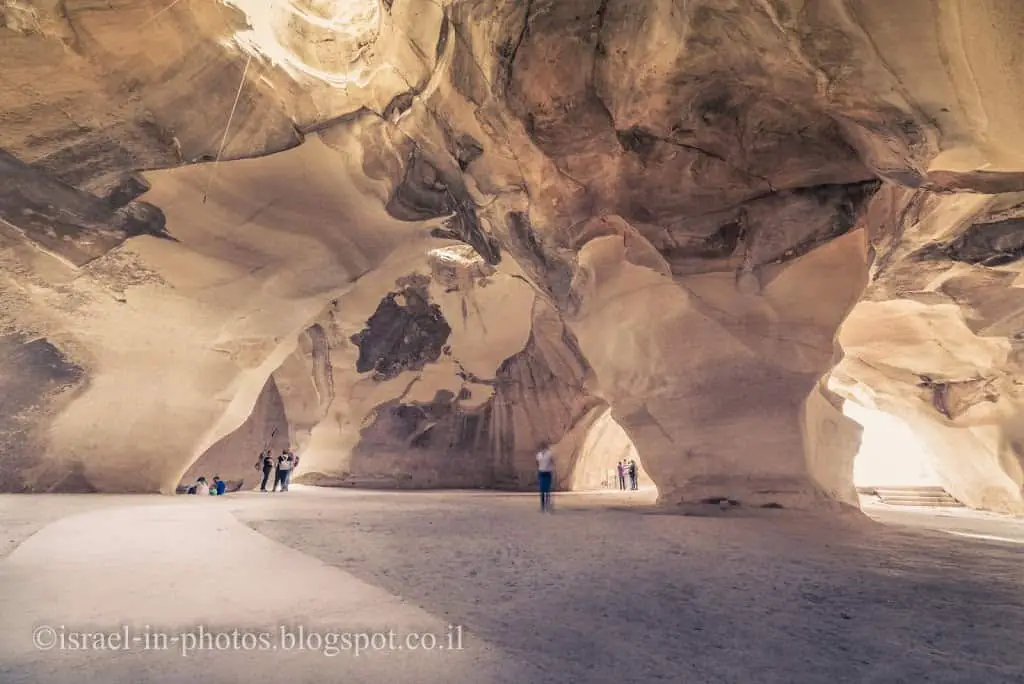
{"points": [[545, 475]]}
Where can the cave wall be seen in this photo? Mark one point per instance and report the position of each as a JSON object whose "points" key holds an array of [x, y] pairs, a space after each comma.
{"points": [[944, 291], [230, 297], [235, 456], [452, 380], [36, 380], [698, 193], [594, 447]]}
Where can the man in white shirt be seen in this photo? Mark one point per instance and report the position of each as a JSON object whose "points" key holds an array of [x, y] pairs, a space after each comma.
{"points": [[545, 475]]}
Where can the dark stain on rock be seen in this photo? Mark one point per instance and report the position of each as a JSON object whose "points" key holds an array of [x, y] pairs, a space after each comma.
{"points": [[717, 106], [442, 37], [467, 76], [65, 221], [129, 188], [399, 104], [637, 140], [848, 200], [143, 218], [440, 424], [406, 332], [805, 218], [548, 269], [465, 149], [722, 243], [34, 376], [422, 194], [466, 225], [508, 50], [989, 244]]}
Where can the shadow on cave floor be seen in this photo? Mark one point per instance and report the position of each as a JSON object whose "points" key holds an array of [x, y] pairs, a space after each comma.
{"points": [[609, 594]]}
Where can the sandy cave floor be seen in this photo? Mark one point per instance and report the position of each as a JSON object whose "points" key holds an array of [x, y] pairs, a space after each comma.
{"points": [[608, 589]]}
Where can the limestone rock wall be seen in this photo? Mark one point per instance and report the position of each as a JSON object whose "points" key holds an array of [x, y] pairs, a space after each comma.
{"points": [[175, 338], [695, 194], [235, 456], [944, 291], [453, 379]]}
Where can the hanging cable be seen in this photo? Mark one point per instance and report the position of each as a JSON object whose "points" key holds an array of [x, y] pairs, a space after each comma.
{"points": [[224, 138]]}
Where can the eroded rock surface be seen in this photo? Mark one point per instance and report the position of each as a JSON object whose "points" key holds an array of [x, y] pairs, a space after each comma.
{"points": [[666, 211]]}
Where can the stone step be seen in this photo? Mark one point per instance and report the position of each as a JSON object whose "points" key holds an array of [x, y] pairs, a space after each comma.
{"points": [[904, 489], [922, 503], [931, 496]]}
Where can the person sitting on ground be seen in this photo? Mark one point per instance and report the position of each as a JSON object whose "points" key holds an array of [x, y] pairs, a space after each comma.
{"points": [[219, 485], [202, 488]]}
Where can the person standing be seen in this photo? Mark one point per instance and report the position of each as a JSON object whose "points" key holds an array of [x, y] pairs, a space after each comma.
{"points": [[621, 468], [267, 463], [293, 460], [545, 475], [284, 467], [632, 474]]}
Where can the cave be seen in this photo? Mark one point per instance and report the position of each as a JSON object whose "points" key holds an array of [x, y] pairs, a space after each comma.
{"points": [[771, 250], [388, 229], [594, 466]]}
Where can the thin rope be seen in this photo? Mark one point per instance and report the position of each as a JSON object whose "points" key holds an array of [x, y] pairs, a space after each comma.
{"points": [[224, 138], [165, 9]]}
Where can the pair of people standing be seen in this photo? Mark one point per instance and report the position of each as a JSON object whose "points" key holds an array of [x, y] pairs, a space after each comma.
{"points": [[627, 469], [281, 467]]}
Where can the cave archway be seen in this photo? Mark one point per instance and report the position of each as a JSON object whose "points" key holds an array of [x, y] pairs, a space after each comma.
{"points": [[891, 454], [596, 453]]}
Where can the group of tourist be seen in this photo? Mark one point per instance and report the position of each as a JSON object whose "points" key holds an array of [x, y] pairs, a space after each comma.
{"points": [[627, 469], [546, 475], [281, 466]]}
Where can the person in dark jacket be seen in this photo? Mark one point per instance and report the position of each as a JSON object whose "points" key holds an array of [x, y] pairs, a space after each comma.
{"points": [[266, 462]]}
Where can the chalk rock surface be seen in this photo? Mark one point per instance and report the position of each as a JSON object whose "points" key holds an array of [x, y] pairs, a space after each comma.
{"points": [[423, 237]]}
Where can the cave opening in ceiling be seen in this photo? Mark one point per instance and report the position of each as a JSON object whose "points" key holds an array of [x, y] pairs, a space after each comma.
{"points": [[319, 40]]}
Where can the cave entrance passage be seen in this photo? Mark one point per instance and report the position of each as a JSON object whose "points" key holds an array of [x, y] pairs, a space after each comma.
{"points": [[891, 457], [599, 450]]}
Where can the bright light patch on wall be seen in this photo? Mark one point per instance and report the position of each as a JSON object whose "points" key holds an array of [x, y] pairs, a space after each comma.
{"points": [[337, 29], [890, 453]]}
